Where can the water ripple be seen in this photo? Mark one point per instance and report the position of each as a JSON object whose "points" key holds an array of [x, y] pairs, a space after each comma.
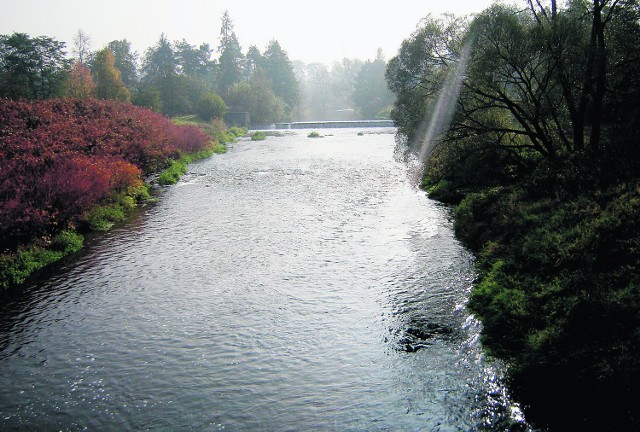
{"points": [[285, 285]]}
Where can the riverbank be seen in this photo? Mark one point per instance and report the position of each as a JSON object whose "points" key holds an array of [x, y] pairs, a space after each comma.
{"points": [[558, 293], [75, 166]]}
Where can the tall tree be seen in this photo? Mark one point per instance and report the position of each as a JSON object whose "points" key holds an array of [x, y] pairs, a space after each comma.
{"points": [[159, 61], [194, 62], [81, 46], [279, 70], [230, 63], [343, 80], [254, 60], [257, 98], [318, 88], [107, 77], [126, 61]]}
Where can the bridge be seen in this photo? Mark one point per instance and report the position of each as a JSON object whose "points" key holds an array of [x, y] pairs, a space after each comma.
{"points": [[335, 124]]}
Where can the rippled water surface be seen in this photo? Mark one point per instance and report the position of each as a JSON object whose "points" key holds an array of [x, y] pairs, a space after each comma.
{"points": [[291, 284]]}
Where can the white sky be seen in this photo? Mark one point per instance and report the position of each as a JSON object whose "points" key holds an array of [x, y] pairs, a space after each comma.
{"points": [[311, 31]]}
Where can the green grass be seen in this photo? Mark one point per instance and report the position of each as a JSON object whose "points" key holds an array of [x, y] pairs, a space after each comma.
{"points": [[16, 267], [172, 174], [102, 218], [314, 134], [238, 131], [177, 168], [188, 120], [219, 148]]}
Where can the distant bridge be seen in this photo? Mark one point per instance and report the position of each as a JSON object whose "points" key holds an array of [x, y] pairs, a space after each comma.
{"points": [[335, 124]]}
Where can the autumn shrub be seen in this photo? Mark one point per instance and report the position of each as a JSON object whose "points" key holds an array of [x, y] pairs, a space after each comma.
{"points": [[61, 157]]}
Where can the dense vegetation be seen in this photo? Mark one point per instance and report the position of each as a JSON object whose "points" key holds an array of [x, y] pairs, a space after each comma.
{"points": [[66, 163], [537, 141], [178, 78]]}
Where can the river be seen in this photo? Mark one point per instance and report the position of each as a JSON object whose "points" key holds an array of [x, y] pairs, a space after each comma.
{"points": [[292, 284]]}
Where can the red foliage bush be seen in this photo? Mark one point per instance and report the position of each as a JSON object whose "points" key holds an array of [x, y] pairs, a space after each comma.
{"points": [[59, 157]]}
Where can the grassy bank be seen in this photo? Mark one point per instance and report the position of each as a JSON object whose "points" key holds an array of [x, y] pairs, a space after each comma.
{"points": [[558, 294], [16, 267], [178, 167]]}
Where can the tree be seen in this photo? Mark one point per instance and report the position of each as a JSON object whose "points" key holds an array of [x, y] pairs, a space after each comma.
{"points": [[107, 77], [254, 60], [211, 106], [159, 61], [81, 46], [371, 94], [148, 96], [543, 142], [126, 61], [31, 68], [231, 59], [343, 79], [416, 74], [279, 70], [257, 98], [193, 62], [318, 91], [79, 82]]}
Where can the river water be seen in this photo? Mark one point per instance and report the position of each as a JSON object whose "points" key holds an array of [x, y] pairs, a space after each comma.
{"points": [[292, 284]]}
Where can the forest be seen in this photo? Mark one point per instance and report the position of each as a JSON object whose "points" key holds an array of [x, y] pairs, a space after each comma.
{"points": [[539, 153], [179, 78]]}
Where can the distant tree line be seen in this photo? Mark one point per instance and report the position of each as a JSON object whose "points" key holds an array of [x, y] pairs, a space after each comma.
{"points": [[350, 89], [178, 78]]}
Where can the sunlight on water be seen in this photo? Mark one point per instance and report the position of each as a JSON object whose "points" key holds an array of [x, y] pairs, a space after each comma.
{"points": [[287, 285]]}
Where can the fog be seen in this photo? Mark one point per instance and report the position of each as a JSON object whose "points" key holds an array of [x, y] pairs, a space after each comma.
{"points": [[323, 32]]}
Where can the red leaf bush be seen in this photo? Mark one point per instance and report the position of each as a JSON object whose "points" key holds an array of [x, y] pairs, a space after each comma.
{"points": [[59, 157]]}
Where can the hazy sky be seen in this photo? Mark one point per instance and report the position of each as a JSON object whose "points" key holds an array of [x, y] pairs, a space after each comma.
{"points": [[324, 30]]}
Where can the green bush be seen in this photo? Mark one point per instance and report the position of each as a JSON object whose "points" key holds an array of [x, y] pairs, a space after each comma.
{"points": [[177, 168], [67, 242], [220, 148], [211, 106], [238, 131], [258, 136], [314, 134], [559, 288]]}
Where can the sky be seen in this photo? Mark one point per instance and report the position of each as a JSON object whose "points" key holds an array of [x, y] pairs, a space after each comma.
{"points": [[311, 31]]}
